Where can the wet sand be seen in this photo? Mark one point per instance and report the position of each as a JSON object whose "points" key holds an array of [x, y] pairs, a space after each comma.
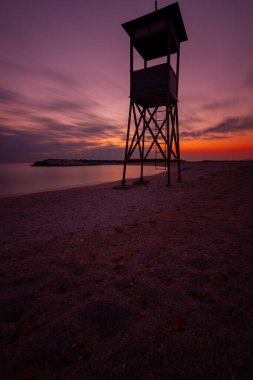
{"points": [[153, 282]]}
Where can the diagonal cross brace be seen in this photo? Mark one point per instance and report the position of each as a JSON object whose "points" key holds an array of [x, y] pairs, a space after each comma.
{"points": [[146, 124], [130, 150], [150, 130], [157, 134]]}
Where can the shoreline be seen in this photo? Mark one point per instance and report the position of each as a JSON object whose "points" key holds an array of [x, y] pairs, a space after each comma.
{"points": [[149, 283], [21, 179], [113, 182], [84, 162]]}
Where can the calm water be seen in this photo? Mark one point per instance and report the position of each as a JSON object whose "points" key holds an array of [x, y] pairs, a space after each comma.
{"points": [[19, 179]]}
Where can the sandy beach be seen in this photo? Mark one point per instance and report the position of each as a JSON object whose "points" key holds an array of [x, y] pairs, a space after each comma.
{"points": [[153, 282]]}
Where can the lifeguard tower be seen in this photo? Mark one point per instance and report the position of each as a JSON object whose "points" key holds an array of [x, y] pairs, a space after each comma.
{"points": [[153, 112]]}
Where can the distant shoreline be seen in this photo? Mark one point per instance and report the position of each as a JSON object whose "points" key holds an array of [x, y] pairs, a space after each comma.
{"points": [[85, 162], [74, 162], [54, 162]]}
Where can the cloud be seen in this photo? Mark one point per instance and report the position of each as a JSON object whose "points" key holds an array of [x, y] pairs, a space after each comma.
{"points": [[61, 78], [226, 103], [101, 130], [109, 152], [66, 125], [20, 145], [225, 129], [47, 137], [8, 96], [15, 104], [60, 105], [93, 128], [70, 101], [11, 66], [189, 135], [233, 125], [40, 72], [56, 117]]}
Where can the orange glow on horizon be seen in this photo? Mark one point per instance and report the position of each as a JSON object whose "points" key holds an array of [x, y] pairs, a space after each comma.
{"points": [[216, 153]]}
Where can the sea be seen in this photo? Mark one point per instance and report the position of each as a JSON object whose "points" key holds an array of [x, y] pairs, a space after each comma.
{"points": [[23, 178]]}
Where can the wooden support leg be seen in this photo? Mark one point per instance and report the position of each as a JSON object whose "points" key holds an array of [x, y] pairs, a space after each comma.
{"points": [[168, 141], [142, 147], [127, 140], [178, 147]]}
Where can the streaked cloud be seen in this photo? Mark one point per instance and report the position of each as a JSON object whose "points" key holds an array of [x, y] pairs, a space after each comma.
{"points": [[236, 125], [60, 77], [33, 145], [9, 96], [226, 129], [222, 104], [63, 141], [32, 129]]}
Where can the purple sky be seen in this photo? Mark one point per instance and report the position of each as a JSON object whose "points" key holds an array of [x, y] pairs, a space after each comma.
{"points": [[64, 78]]}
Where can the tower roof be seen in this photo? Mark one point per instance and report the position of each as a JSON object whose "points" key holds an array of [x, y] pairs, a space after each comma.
{"points": [[150, 33]]}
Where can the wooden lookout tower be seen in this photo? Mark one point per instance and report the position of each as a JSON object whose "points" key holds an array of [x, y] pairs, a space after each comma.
{"points": [[153, 112]]}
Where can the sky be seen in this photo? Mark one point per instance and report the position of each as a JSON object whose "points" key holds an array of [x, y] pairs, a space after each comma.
{"points": [[64, 78]]}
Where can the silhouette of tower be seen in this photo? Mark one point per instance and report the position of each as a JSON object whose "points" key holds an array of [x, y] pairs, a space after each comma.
{"points": [[153, 112]]}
